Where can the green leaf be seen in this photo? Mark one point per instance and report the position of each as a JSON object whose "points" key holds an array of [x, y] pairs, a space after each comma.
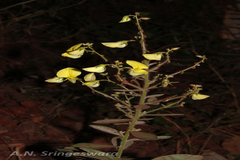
{"points": [[179, 157], [163, 115], [90, 145], [106, 121], [144, 135], [106, 129], [141, 106], [137, 123], [164, 137], [116, 141], [128, 144], [142, 139]]}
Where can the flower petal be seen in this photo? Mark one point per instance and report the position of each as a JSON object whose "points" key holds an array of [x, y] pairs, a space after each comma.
{"points": [[154, 56], [125, 19], [198, 96], [68, 73], [97, 69], [90, 77], [73, 80], [55, 80], [74, 54], [92, 84], [140, 71], [137, 72], [75, 47], [119, 44], [136, 65]]}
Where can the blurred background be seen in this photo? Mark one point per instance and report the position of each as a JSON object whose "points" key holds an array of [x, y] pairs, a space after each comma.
{"points": [[35, 115]]}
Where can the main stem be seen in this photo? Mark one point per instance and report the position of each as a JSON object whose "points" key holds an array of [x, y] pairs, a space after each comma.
{"points": [[143, 96], [135, 119]]}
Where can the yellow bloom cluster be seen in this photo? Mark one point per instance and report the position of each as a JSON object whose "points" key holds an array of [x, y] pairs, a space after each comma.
{"points": [[78, 50], [154, 56], [97, 69], [137, 68], [75, 51], [119, 44], [91, 80], [65, 74], [198, 96]]}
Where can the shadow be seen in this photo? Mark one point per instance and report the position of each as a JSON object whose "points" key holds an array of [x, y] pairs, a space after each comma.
{"points": [[86, 134]]}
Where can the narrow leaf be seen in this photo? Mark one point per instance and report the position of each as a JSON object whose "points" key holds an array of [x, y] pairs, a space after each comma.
{"points": [[90, 145], [141, 121], [155, 95], [141, 106], [116, 141], [106, 129], [118, 124], [144, 135], [128, 144], [146, 119], [142, 139], [137, 123], [72, 148], [164, 137], [164, 115], [106, 121], [179, 157]]}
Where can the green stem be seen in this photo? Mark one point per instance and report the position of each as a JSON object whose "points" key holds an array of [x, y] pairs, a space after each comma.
{"points": [[192, 67], [142, 40], [138, 112], [99, 54], [157, 109], [137, 115]]}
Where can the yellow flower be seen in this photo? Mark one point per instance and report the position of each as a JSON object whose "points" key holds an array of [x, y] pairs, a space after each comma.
{"points": [[75, 47], [137, 68], [119, 44], [125, 19], [97, 69], [154, 56], [92, 84], [69, 73], [55, 80], [91, 80], [75, 51], [90, 77], [74, 54], [198, 96]]}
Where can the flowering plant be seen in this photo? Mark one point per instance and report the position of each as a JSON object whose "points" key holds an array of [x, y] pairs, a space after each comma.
{"points": [[132, 94]]}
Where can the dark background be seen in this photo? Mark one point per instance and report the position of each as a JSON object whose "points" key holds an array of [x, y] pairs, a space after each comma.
{"points": [[34, 33]]}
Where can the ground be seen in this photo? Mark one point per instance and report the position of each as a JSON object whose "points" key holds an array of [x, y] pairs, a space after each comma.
{"points": [[38, 116]]}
